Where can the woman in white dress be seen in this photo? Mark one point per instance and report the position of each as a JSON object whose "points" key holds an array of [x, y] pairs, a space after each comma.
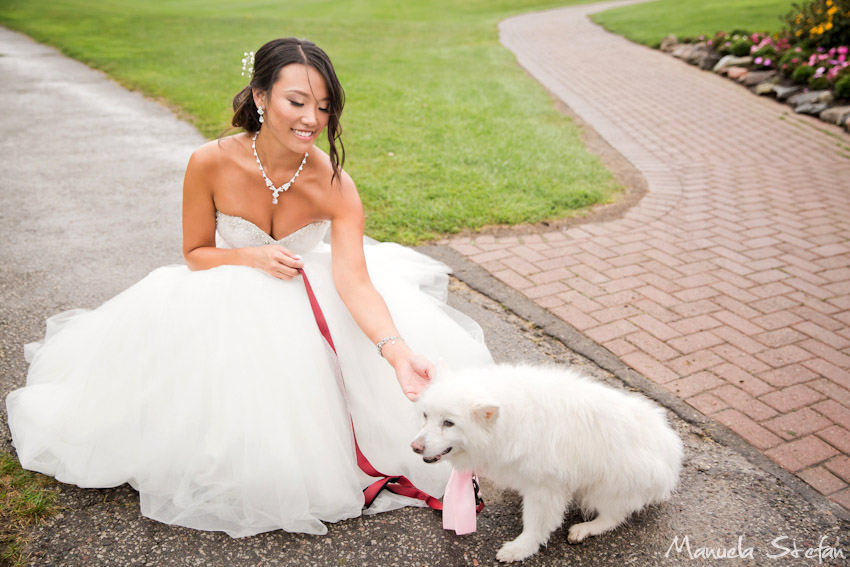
{"points": [[210, 387]]}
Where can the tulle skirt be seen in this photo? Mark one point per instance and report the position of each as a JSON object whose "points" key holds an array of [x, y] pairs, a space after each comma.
{"points": [[214, 395]]}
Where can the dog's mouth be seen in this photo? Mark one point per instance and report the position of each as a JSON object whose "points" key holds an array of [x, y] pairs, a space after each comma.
{"points": [[436, 458]]}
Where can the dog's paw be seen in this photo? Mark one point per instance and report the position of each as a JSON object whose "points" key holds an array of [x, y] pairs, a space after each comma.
{"points": [[579, 532], [517, 550]]}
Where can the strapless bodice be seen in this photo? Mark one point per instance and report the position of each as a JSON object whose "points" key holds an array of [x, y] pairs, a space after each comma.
{"points": [[236, 232]]}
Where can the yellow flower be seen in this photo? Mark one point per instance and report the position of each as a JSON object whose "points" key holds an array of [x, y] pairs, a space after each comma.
{"points": [[832, 10], [829, 2], [828, 25], [798, 33]]}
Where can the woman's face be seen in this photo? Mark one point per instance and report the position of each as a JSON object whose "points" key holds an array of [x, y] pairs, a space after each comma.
{"points": [[296, 109]]}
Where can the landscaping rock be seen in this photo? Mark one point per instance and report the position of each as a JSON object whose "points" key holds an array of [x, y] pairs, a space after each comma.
{"points": [[699, 51], [737, 73], [756, 77], [708, 60], [811, 97], [684, 51], [783, 92], [836, 115], [765, 88], [669, 43], [731, 61], [814, 108]]}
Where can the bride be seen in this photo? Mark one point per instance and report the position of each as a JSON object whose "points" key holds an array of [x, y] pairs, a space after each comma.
{"points": [[210, 388]]}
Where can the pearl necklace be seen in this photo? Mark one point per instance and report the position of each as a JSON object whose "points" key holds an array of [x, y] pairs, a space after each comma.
{"points": [[275, 190]]}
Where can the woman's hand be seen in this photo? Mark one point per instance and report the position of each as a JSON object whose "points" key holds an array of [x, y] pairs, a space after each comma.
{"points": [[276, 261], [413, 371]]}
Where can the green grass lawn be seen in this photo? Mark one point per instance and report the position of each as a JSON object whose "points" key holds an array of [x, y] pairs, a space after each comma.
{"points": [[474, 140], [651, 22], [25, 499]]}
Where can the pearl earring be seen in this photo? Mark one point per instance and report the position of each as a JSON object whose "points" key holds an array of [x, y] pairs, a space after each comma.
{"points": [[260, 112]]}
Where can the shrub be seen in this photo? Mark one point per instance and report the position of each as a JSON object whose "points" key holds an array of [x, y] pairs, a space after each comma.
{"points": [[740, 47], [820, 23], [768, 51], [818, 82], [842, 87], [802, 74]]}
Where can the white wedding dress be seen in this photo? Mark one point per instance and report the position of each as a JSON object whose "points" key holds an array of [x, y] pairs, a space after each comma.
{"points": [[214, 394]]}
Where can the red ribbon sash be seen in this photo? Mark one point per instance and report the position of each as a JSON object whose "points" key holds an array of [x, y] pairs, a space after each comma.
{"points": [[398, 484]]}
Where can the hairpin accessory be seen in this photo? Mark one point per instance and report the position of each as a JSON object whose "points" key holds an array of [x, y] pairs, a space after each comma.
{"points": [[248, 63]]}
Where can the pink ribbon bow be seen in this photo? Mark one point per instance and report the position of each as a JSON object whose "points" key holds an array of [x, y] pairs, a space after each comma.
{"points": [[459, 503]]}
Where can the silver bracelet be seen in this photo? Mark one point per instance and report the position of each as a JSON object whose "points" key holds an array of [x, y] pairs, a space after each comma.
{"points": [[386, 340]]}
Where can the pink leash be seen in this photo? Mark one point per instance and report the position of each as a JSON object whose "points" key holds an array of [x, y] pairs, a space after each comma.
{"points": [[460, 503]]}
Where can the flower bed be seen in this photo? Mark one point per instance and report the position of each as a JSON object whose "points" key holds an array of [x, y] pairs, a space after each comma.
{"points": [[807, 64]]}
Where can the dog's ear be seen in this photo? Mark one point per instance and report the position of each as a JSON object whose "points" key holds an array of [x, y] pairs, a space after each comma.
{"points": [[486, 412]]}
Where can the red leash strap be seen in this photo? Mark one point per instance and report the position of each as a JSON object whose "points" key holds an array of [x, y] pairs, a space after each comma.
{"points": [[398, 484]]}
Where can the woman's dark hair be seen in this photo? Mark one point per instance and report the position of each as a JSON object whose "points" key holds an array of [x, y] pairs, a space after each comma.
{"points": [[268, 61]]}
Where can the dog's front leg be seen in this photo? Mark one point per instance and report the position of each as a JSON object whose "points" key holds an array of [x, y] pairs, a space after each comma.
{"points": [[542, 513]]}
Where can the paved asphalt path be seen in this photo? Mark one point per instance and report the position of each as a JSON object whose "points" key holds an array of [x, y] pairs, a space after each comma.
{"points": [[89, 204]]}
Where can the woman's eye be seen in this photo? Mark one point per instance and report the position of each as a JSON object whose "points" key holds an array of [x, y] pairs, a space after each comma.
{"points": [[325, 110], [448, 423], [298, 104]]}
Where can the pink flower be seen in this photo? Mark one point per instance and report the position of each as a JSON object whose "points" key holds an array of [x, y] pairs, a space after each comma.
{"points": [[843, 49], [795, 60], [758, 60], [798, 49], [768, 62]]}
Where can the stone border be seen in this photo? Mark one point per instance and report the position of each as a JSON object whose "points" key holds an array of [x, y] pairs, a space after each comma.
{"points": [[819, 103]]}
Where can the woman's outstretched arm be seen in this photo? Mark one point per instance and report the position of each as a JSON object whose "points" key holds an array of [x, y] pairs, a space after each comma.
{"points": [[363, 301]]}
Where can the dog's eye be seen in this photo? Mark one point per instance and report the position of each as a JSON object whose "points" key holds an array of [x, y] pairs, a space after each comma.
{"points": [[448, 423]]}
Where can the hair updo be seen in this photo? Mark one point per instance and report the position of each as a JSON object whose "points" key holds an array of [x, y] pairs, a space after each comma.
{"points": [[268, 61]]}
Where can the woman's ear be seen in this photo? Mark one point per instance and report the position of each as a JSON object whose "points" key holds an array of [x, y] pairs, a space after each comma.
{"points": [[259, 98]]}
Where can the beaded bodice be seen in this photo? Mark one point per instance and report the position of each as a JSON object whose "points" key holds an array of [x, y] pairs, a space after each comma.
{"points": [[236, 232]]}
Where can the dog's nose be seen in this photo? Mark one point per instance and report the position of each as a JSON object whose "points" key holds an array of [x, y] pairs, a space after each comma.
{"points": [[418, 446]]}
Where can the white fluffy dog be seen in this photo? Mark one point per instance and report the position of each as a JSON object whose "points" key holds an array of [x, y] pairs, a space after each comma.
{"points": [[557, 438]]}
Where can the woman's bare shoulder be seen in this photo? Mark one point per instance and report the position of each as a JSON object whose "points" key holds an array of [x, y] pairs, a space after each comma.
{"points": [[219, 152]]}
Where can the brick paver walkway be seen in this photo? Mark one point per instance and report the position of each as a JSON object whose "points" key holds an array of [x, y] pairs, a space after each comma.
{"points": [[729, 283]]}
